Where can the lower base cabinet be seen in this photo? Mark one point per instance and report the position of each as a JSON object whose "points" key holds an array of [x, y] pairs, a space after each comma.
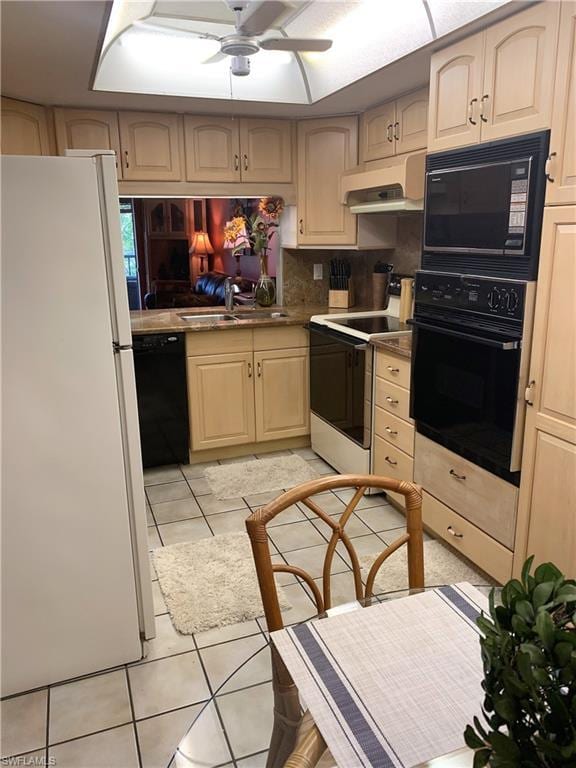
{"points": [[252, 387]]}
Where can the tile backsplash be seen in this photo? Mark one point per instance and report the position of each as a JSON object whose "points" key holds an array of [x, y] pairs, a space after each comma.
{"points": [[298, 265]]}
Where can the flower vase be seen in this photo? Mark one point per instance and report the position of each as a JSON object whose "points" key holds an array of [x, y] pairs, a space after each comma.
{"points": [[265, 289]]}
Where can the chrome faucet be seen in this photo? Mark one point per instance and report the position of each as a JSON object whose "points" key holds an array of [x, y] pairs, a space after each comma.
{"points": [[229, 294]]}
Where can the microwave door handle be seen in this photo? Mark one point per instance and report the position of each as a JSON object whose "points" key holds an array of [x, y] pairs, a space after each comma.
{"points": [[504, 345]]}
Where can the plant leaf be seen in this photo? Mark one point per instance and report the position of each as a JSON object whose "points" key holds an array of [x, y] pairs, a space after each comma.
{"points": [[547, 572], [545, 627], [504, 745], [526, 568], [481, 758], [542, 593], [472, 739], [525, 609]]}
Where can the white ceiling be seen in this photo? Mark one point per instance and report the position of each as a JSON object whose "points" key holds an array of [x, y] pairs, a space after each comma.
{"points": [[50, 53]]}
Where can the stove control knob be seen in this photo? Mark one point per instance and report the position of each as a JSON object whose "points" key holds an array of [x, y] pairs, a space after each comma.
{"points": [[494, 298], [513, 300]]}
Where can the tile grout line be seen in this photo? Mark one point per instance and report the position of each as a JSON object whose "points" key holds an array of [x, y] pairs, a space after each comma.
{"points": [[136, 737]]}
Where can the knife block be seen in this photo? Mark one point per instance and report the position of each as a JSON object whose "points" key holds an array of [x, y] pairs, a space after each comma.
{"points": [[341, 299]]}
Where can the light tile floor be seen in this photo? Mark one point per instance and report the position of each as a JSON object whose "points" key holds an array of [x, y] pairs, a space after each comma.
{"points": [[136, 715]]}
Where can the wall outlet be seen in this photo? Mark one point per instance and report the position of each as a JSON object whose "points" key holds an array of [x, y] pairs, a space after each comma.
{"points": [[318, 271]]}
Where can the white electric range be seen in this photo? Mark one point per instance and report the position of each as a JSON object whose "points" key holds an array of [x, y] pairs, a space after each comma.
{"points": [[342, 383]]}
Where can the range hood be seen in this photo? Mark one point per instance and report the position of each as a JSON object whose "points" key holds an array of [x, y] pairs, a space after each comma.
{"points": [[393, 185]]}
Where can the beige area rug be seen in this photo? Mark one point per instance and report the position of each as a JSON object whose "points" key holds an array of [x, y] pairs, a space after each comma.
{"points": [[441, 566], [230, 481], [210, 583]]}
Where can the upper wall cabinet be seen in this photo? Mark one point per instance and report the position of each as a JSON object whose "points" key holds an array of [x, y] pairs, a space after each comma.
{"points": [[224, 149], [562, 162], [24, 128], [84, 129], [150, 146], [326, 148], [266, 147], [395, 127], [455, 85], [212, 148], [496, 83]]}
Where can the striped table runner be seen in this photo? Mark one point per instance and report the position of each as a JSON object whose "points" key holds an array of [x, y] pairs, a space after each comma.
{"points": [[393, 685]]}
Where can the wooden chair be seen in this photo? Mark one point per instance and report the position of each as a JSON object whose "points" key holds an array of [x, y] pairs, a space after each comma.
{"points": [[291, 729]]}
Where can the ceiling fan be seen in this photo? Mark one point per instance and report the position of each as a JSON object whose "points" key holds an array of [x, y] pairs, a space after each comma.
{"points": [[253, 19]]}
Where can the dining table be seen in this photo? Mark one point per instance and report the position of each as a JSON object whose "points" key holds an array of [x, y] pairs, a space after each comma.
{"points": [[386, 679]]}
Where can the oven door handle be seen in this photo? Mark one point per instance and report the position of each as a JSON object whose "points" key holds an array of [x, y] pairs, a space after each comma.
{"points": [[362, 347], [504, 345]]}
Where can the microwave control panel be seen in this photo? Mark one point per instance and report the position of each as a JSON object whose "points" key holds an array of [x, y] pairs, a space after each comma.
{"points": [[519, 179], [484, 295]]}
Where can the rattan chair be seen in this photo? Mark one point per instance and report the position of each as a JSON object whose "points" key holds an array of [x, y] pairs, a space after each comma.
{"points": [[296, 741]]}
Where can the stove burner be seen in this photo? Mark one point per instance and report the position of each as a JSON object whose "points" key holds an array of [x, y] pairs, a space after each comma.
{"points": [[377, 324]]}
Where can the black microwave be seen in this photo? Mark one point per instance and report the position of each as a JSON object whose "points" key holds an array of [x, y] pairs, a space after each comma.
{"points": [[484, 206]]}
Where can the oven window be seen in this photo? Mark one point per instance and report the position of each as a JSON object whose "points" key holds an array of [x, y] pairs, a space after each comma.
{"points": [[468, 208], [464, 393], [339, 388]]}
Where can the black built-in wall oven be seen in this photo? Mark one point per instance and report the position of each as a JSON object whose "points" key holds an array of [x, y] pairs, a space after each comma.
{"points": [[470, 365], [483, 208]]}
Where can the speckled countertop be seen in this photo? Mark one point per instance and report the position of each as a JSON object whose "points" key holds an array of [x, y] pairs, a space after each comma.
{"points": [[170, 321], [401, 345]]}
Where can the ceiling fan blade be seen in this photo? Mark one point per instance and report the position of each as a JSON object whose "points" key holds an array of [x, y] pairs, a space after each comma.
{"points": [[259, 15], [173, 28], [216, 58], [295, 44]]}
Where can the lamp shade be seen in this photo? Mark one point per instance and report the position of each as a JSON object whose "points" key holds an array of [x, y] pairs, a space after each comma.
{"points": [[201, 245]]}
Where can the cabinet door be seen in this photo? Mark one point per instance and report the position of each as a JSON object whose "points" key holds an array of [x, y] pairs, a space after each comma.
{"points": [[561, 187], [326, 148], [221, 400], [520, 61], [455, 92], [212, 148], [24, 128], [86, 129], [282, 394], [411, 127], [266, 148], [546, 520], [150, 146], [377, 132]]}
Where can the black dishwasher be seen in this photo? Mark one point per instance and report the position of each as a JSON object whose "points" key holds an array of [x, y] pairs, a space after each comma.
{"points": [[160, 363]]}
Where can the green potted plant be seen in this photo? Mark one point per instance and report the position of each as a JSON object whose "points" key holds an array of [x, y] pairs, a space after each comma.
{"points": [[529, 656]]}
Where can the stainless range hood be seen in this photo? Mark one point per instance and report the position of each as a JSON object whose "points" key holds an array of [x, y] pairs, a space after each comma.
{"points": [[393, 185]]}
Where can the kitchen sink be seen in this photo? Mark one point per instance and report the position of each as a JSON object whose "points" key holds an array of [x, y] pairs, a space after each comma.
{"points": [[204, 317], [259, 314]]}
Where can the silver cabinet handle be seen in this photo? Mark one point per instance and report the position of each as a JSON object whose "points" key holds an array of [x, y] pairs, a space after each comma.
{"points": [[249, 370], [391, 400], [548, 166], [301, 226], [452, 532], [457, 476], [126, 163], [471, 112], [245, 158], [392, 369], [390, 461], [390, 431], [397, 131], [259, 368], [528, 392], [236, 163], [483, 100], [389, 132]]}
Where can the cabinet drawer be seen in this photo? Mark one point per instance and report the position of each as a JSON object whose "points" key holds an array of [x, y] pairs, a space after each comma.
{"points": [[394, 430], [488, 555], [482, 498], [280, 338], [393, 398], [218, 342], [389, 461], [393, 368]]}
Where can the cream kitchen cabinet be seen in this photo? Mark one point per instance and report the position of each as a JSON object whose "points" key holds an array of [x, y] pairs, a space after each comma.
{"points": [[496, 83], [151, 146], [24, 128], [395, 127], [247, 386], [547, 507], [87, 129], [249, 149], [326, 148], [561, 188]]}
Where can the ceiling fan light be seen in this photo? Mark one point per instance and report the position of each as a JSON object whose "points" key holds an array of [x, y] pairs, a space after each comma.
{"points": [[240, 66]]}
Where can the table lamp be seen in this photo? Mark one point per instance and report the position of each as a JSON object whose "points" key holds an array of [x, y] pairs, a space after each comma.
{"points": [[202, 247]]}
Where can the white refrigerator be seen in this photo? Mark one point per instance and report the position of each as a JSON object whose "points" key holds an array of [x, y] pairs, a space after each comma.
{"points": [[76, 591]]}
